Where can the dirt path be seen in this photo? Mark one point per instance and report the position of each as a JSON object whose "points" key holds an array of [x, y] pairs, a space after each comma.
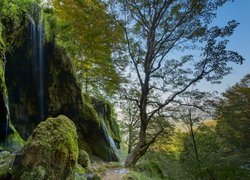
{"points": [[114, 174]]}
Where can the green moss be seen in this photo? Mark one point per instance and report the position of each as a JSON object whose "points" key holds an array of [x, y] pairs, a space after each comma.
{"points": [[88, 110], [49, 22], [3, 88], [83, 158], [79, 173], [109, 119], [13, 142], [83, 145], [52, 144], [6, 159], [80, 170], [114, 127], [111, 123]]}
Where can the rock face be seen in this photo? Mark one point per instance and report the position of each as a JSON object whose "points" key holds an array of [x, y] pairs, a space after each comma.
{"points": [[22, 84], [64, 96], [97, 130], [98, 133], [50, 153], [9, 137]]}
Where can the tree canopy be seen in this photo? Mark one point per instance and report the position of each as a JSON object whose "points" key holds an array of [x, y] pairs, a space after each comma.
{"points": [[93, 40]]}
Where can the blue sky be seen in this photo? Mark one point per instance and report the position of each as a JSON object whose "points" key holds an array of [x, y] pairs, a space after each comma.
{"points": [[239, 41]]}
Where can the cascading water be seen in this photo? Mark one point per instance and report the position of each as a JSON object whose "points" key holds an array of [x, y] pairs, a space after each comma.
{"points": [[37, 54], [4, 105], [110, 139], [41, 68]]}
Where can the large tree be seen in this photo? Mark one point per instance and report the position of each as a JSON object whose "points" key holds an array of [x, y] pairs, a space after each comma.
{"points": [[93, 39], [155, 31]]}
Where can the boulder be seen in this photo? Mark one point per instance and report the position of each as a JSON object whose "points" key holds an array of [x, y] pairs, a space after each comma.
{"points": [[50, 153], [13, 141], [83, 158]]}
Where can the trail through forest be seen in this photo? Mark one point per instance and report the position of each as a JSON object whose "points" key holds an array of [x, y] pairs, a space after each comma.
{"points": [[114, 174]]}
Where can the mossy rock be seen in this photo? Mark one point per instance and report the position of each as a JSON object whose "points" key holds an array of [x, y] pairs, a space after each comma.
{"points": [[106, 114], [83, 158], [6, 160], [50, 153], [79, 173], [13, 141]]}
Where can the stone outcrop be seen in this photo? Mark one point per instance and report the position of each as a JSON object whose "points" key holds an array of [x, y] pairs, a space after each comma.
{"points": [[96, 127], [64, 96], [50, 153]]}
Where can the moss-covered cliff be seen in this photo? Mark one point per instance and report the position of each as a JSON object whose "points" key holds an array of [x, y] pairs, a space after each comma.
{"points": [[64, 96], [94, 120]]}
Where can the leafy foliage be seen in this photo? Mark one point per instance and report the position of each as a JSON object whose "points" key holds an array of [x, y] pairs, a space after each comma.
{"points": [[11, 23], [233, 115], [94, 40], [223, 148]]}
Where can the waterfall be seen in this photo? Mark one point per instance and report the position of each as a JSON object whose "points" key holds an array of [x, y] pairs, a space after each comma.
{"points": [[41, 69], [4, 105], [110, 139], [37, 54], [7, 120]]}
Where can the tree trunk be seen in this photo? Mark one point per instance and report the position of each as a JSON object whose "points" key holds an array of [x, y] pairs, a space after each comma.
{"points": [[136, 154], [195, 149], [142, 145], [129, 140], [139, 150], [194, 144]]}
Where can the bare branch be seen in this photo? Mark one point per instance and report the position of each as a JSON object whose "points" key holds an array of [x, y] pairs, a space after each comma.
{"points": [[131, 55], [155, 136]]}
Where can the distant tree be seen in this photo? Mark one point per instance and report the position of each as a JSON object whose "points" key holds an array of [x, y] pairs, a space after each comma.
{"points": [[154, 30], [210, 155], [130, 124], [233, 114], [233, 124], [192, 110]]}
